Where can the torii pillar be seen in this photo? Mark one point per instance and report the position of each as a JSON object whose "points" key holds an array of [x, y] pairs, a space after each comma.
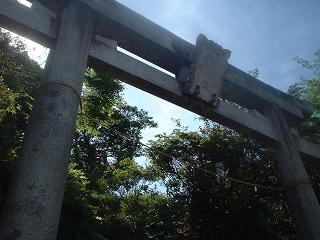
{"points": [[32, 208], [296, 186]]}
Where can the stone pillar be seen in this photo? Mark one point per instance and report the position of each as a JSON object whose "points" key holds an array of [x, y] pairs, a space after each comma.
{"points": [[32, 208], [301, 199]]}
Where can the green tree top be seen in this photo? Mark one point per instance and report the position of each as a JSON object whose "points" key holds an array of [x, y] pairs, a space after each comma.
{"points": [[308, 89]]}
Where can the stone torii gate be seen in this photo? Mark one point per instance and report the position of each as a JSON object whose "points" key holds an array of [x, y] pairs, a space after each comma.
{"points": [[78, 33]]}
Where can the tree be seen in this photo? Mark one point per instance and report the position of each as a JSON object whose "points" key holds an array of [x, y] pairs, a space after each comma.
{"points": [[102, 161], [308, 89], [216, 209], [109, 195], [19, 79]]}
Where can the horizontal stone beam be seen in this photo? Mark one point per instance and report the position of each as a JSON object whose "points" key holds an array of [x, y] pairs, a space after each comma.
{"points": [[307, 149], [160, 84], [247, 91], [104, 55], [136, 73], [150, 41], [29, 23]]}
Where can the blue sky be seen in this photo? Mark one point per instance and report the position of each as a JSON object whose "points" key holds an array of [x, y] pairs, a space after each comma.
{"points": [[266, 34]]}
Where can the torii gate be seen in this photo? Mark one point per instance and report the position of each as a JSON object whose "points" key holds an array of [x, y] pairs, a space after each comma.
{"points": [[78, 33]]}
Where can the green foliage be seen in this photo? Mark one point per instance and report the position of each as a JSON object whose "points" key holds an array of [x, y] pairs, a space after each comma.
{"points": [[19, 77], [76, 206], [255, 73], [8, 101], [108, 194], [308, 89], [105, 160], [153, 216], [216, 209], [102, 161]]}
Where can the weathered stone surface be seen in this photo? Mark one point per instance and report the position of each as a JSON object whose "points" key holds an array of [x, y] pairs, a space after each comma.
{"points": [[148, 40], [104, 56], [32, 208], [207, 70], [54, 117], [301, 199]]}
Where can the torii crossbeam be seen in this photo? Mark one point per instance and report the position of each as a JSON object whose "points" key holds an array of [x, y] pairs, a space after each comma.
{"points": [[81, 32]]}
